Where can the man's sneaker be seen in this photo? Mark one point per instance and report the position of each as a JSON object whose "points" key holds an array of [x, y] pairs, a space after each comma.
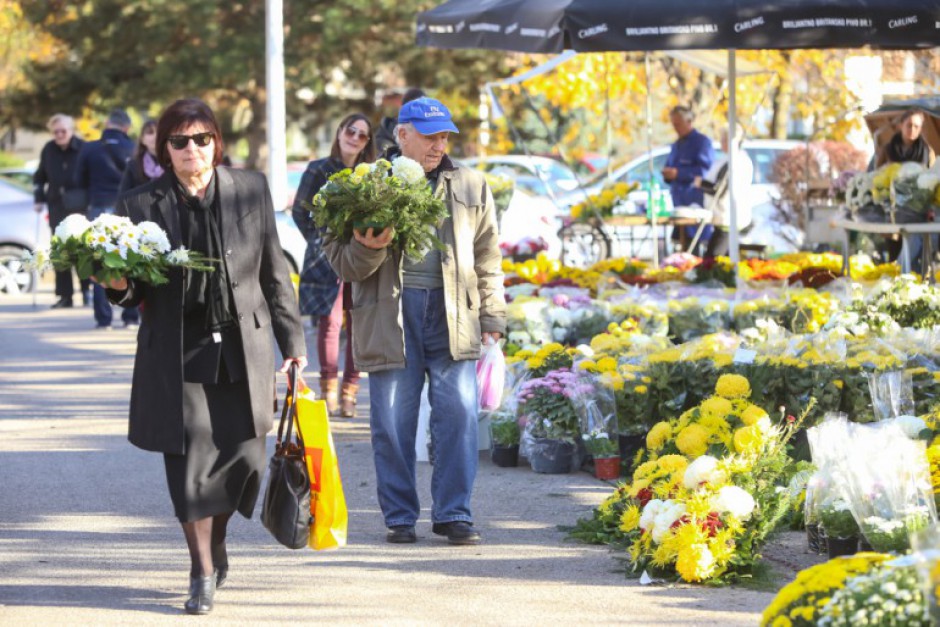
{"points": [[102, 327], [62, 303], [457, 532], [402, 534], [133, 326]]}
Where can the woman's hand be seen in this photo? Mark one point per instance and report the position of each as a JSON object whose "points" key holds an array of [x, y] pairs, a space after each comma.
{"points": [[372, 240], [119, 284], [300, 361]]}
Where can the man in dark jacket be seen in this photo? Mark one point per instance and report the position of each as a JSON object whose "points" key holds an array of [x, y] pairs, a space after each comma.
{"points": [[691, 156], [52, 179], [385, 131], [99, 170]]}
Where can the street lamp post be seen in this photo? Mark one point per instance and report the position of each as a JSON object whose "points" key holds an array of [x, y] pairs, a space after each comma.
{"points": [[276, 110]]}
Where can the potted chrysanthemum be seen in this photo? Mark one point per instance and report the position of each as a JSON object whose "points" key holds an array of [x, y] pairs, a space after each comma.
{"points": [[378, 195]]}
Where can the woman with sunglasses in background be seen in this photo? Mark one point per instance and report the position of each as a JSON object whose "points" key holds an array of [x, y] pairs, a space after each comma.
{"points": [[143, 166], [320, 295], [203, 387]]}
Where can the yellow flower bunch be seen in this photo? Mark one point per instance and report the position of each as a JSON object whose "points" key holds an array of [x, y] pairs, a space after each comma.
{"points": [[803, 260], [603, 202], [540, 270], [732, 386], [799, 602], [862, 268], [882, 180]]}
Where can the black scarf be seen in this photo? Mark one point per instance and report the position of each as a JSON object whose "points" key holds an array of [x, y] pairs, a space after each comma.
{"points": [[206, 290], [918, 152]]}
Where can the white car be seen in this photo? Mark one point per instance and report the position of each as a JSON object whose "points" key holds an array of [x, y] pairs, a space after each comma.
{"points": [[763, 152], [22, 230], [292, 240], [539, 176]]}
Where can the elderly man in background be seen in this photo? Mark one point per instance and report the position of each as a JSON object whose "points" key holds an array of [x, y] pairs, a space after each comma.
{"points": [[691, 157], [52, 186], [427, 319]]}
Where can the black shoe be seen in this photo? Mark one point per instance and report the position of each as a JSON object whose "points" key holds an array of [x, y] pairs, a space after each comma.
{"points": [[62, 303], [201, 595], [402, 534], [221, 574], [457, 532]]}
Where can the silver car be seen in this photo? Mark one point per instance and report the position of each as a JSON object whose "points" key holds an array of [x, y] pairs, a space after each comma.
{"points": [[22, 230]]}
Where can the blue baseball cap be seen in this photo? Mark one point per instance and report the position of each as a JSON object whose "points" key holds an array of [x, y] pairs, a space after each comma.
{"points": [[428, 116]]}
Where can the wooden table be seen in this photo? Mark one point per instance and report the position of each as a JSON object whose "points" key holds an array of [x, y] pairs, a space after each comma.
{"points": [[904, 230]]}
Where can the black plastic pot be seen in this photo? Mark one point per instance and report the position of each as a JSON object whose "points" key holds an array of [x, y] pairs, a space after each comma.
{"points": [[552, 457], [838, 547], [505, 456], [629, 445]]}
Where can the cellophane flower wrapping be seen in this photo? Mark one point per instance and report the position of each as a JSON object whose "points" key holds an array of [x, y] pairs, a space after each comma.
{"points": [[827, 500], [887, 480], [597, 412], [491, 376], [506, 423], [892, 394]]}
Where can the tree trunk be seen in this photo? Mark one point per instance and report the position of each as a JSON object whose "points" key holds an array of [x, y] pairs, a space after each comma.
{"points": [[256, 132], [783, 99]]}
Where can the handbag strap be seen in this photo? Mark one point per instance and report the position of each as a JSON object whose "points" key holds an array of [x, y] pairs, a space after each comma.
{"points": [[289, 412]]}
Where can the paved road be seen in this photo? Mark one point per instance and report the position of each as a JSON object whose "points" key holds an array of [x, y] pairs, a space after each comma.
{"points": [[87, 534]]}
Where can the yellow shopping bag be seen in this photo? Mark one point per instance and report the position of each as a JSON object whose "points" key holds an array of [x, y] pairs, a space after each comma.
{"points": [[327, 502]]}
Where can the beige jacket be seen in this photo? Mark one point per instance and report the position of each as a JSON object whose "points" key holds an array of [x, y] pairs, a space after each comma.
{"points": [[473, 279]]}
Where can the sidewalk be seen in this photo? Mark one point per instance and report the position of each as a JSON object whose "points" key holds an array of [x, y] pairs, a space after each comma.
{"points": [[87, 533]]}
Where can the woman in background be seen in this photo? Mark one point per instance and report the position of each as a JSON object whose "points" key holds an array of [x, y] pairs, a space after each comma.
{"points": [[321, 296]]}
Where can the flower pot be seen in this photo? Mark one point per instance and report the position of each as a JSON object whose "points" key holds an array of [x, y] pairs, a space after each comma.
{"points": [[607, 468], [814, 539], [552, 457], [505, 456], [629, 445], [863, 544], [838, 547]]}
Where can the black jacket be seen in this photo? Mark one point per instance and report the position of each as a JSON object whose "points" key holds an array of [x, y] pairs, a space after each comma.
{"points": [[264, 301], [101, 166], [54, 176], [385, 135]]}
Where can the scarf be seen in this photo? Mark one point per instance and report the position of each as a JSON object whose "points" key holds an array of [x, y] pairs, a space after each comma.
{"points": [[152, 169], [917, 152], [206, 290]]}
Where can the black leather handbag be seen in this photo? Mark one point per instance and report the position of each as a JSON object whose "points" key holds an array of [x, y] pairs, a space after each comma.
{"points": [[286, 509]]}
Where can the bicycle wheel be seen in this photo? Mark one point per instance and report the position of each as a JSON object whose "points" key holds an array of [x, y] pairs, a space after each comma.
{"points": [[583, 245]]}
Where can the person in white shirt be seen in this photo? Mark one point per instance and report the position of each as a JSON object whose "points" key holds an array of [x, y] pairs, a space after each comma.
{"points": [[718, 188]]}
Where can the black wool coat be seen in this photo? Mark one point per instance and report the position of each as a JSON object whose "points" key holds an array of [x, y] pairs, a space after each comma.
{"points": [[264, 301]]}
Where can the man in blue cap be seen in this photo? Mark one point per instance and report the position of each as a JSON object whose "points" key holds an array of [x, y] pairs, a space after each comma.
{"points": [[430, 319]]}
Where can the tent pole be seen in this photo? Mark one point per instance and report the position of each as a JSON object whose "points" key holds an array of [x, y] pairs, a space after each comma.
{"points": [[649, 151], [733, 243]]}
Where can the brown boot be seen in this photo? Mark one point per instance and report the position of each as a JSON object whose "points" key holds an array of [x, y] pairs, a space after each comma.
{"points": [[328, 389], [347, 408]]}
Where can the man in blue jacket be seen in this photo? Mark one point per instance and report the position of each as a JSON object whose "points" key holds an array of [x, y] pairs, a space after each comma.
{"points": [[691, 156], [99, 170]]}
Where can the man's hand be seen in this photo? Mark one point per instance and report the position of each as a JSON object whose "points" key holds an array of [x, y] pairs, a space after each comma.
{"points": [[114, 284], [38, 207], [300, 361], [372, 240], [670, 173], [491, 337]]}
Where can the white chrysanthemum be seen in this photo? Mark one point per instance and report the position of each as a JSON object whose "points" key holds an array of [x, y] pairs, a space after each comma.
{"points": [[649, 514], [735, 501], [928, 181], [99, 240], [178, 257], [703, 470], [130, 239], [38, 261], [669, 513], [151, 234], [72, 227], [110, 223], [909, 169], [408, 170]]}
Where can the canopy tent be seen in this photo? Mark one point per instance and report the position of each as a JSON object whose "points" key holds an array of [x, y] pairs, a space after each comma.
{"points": [[551, 26], [882, 121]]}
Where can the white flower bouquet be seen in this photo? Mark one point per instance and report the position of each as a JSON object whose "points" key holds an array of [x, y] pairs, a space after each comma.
{"points": [[111, 247], [378, 195]]}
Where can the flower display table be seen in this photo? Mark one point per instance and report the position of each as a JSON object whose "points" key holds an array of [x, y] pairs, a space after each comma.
{"points": [[904, 230]]}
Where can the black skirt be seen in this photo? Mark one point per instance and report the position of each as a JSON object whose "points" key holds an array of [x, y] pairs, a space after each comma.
{"points": [[224, 462]]}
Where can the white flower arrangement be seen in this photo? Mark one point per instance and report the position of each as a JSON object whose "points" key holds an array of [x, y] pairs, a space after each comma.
{"points": [[703, 470], [73, 226], [658, 516], [408, 170], [735, 501]]}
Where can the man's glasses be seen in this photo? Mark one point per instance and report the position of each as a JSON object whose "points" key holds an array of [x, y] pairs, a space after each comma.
{"points": [[356, 133], [179, 142], [60, 131]]}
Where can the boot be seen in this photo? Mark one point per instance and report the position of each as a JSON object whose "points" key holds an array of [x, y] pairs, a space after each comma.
{"points": [[328, 389], [347, 408]]}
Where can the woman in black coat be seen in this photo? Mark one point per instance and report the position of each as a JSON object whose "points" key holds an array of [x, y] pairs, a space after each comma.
{"points": [[143, 166], [203, 386]]}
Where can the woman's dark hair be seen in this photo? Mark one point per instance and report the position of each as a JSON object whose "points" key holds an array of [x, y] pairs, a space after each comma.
{"points": [[367, 154], [178, 116], [141, 149]]}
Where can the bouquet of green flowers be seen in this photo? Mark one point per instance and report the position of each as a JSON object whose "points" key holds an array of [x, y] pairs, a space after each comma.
{"points": [[378, 195], [502, 188], [112, 247]]}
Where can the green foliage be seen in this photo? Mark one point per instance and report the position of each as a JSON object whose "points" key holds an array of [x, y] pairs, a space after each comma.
{"points": [[504, 430], [9, 161]]}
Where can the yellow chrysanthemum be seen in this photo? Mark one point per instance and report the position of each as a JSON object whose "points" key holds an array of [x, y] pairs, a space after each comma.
{"points": [[658, 435], [641, 389], [733, 386], [606, 364], [630, 519], [533, 363], [695, 563], [748, 440], [715, 407], [753, 414], [673, 463], [693, 441]]}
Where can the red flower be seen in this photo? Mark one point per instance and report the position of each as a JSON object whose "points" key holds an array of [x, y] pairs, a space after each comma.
{"points": [[644, 496], [791, 418], [712, 524]]}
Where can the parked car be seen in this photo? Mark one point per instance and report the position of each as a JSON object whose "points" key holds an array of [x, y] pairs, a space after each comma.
{"points": [[763, 153], [293, 242], [539, 176], [22, 230]]}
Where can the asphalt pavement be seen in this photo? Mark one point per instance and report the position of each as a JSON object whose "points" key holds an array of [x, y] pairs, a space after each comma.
{"points": [[88, 537]]}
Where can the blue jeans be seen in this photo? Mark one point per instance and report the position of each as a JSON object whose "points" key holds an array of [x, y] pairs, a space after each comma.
{"points": [[395, 399], [103, 310]]}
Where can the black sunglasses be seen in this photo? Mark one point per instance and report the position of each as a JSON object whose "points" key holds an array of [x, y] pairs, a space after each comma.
{"points": [[179, 142], [354, 132]]}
